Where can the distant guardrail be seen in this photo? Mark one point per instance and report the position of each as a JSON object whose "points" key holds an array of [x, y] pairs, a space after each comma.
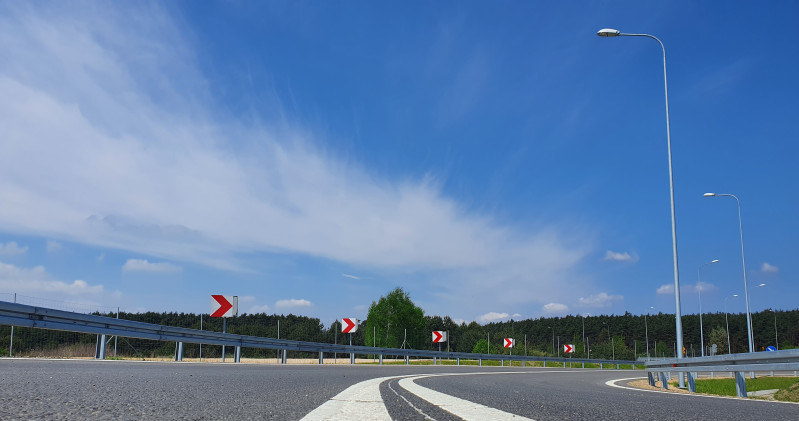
{"points": [[737, 364], [45, 318]]}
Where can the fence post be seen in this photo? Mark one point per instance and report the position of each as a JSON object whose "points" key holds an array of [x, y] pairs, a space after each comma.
{"points": [[237, 357], [740, 384], [284, 357]]}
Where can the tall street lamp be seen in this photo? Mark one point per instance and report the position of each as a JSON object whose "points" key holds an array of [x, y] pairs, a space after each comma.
{"points": [[646, 330], [699, 289], [743, 262], [729, 347], [616, 33]]}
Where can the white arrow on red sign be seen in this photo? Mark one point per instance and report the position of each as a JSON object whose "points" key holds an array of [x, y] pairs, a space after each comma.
{"points": [[349, 325], [568, 348], [439, 336], [510, 342], [224, 305]]}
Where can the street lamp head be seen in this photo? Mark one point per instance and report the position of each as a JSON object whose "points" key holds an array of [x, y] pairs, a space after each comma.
{"points": [[608, 32], [709, 194], [734, 295], [762, 285], [715, 261]]}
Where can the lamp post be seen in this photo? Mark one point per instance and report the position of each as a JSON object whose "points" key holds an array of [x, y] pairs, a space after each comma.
{"points": [[752, 326], [743, 262], [678, 318], [729, 347], [699, 289], [646, 330]]}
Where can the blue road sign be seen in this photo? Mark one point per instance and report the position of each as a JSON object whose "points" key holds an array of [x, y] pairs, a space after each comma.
{"points": [[771, 348]]}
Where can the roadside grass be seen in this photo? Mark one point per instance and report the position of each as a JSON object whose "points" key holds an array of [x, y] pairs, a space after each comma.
{"points": [[789, 386]]}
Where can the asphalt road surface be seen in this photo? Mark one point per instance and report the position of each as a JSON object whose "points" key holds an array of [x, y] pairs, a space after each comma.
{"points": [[55, 389]]}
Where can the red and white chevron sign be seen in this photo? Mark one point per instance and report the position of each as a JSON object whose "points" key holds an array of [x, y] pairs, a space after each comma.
{"points": [[349, 325], [439, 336], [568, 348], [224, 305], [510, 342]]}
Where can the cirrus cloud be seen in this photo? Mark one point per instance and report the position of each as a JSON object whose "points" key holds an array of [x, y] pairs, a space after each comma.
{"points": [[143, 265]]}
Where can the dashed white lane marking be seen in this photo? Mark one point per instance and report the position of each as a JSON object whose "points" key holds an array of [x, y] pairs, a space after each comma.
{"points": [[613, 384], [360, 401], [459, 407]]}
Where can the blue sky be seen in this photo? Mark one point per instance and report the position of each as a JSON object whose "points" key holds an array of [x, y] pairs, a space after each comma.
{"points": [[495, 160]]}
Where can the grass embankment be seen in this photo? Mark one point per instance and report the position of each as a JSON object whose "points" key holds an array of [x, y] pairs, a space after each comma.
{"points": [[788, 387]]}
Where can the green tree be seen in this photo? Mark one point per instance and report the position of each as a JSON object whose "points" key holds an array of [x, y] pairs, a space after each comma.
{"points": [[718, 336], [389, 317]]}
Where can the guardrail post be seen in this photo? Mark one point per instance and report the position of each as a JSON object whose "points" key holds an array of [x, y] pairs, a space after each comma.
{"points": [[100, 354], [321, 357], [381, 359], [691, 381], [600, 366], [651, 379], [545, 364], [664, 383], [617, 366], [583, 365], [501, 363], [564, 364], [523, 361], [458, 361], [237, 355], [179, 352], [480, 362], [352, 358], [284, 356], [407, 359], [740, 384]]}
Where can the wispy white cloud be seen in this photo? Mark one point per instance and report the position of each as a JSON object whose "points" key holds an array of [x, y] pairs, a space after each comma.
{"points": [[259, 309], [53, 246], [516, 316], [555, 308], [492, 317], [11, 248], [349, 276], [620, 257], [602, 299], [702, 286], [110, 138], [142, 265], [36, 281], [769, 268], [666, 289], [293, 303]]}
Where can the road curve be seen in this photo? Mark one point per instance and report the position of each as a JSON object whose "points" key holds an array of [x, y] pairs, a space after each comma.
{"points": [[56, 389]]}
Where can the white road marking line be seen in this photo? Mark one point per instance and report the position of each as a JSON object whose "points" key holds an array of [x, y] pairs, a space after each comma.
{"points": [[696, 395], [361, 401], [427, 417], [459, 407]]}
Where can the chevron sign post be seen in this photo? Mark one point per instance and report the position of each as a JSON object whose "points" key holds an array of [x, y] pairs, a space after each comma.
{"points": [[224, 305], [439, 336], [568, 348], [510, 342], [349, 325]]}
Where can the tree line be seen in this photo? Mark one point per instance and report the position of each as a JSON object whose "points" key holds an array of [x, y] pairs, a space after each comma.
{"points": [[395, 322]]}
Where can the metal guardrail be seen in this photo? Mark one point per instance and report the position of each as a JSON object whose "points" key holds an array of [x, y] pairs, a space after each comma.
{"points": [[736, 364], [45, 318]]}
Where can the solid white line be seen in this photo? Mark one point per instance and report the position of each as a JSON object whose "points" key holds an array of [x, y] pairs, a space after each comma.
{"points": [[459, 407], [696, 395], [360, 401], [426, 417]]}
